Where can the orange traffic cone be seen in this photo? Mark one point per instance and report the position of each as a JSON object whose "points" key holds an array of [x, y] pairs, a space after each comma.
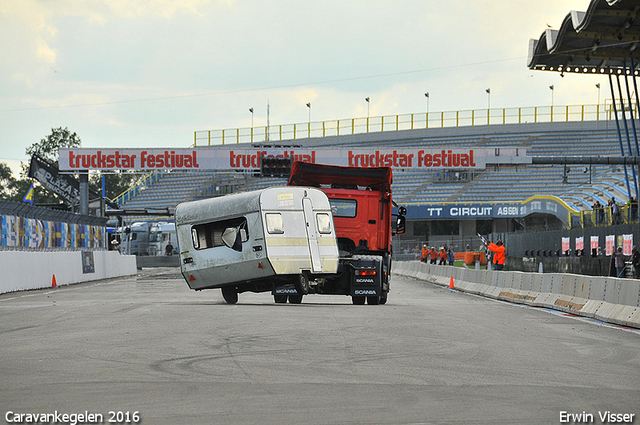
{"points": [[54, 284], [451, 283]]}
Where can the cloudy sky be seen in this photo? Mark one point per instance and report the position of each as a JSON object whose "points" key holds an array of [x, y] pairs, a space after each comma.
{"points": [[148, 73]]}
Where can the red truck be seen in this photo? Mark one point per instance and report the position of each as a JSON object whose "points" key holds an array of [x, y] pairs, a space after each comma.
{"points": [[362, 213]]}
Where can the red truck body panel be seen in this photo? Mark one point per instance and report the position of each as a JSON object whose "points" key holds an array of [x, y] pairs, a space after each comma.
{"points": [[368, 227]]}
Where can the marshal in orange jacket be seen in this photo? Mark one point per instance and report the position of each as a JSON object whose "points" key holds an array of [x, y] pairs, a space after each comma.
{"points": [[424, 254], [499, 252]]}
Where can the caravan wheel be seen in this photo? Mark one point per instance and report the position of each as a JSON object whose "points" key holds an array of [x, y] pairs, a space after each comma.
{"points": [[230, 294]]}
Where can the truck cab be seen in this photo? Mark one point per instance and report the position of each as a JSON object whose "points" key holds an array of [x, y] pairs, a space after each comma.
{"points": [[360, 201], [361, 205]]}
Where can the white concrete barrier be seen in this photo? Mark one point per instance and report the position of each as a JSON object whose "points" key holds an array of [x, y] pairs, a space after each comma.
{"points": [[23, 270], [608, 299]]}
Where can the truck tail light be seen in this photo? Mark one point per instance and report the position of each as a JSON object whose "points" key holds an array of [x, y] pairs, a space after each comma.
{"points": [[366, 272]]}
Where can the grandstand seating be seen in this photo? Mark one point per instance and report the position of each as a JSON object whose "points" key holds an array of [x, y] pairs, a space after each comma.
{"points": [[177, 186], [582, 188]]}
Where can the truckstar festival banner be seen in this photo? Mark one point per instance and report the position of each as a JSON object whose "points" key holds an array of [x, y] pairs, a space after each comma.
{"points": [[229, 158]]}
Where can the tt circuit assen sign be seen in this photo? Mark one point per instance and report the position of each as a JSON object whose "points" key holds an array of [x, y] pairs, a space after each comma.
{"points": [[536, 204], [229, 158]]}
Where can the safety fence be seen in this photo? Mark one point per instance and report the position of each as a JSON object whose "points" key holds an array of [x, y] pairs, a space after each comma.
{"points": [[412, 121], [44, 248], [610, 299], [598, 217], [25, 227]]}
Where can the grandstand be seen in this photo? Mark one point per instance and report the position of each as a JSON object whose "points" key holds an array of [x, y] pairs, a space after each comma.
{"points": [[581, 187], [168, 189]]}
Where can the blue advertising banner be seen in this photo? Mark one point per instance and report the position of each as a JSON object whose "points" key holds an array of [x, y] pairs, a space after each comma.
{"points": [[21, 232], [537, 204]]}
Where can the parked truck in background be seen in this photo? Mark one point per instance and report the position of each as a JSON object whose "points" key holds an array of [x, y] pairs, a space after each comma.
{"points": [[361, 206], [146, 238]]}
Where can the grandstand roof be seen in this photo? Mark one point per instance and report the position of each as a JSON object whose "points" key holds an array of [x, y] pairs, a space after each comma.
{"points": [[602, 39]]}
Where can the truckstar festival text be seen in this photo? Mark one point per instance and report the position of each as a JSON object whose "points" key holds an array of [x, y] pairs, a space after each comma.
{"points": [[223, 158]]}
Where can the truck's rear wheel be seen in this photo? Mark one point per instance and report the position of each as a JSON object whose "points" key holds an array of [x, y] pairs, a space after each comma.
{"points": [[383, 298], [373, 300], [358, 300], [230, 294], [302, 284]]}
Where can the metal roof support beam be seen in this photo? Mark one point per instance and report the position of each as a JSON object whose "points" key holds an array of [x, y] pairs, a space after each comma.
{"points": [[615, 112], [626, 129], [635, 87], [609, 33], [633, 127]]}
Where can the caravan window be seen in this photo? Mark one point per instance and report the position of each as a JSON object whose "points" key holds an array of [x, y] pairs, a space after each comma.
{"points": [[210, 235], [275, 224], [324, 223]]}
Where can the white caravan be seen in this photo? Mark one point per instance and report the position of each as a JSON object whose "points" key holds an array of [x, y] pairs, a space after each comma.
{"points": [[257, 241]]}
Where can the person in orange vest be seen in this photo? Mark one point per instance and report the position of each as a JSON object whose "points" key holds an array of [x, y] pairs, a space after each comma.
{"points": [[499, 255], [433, 254], [443, 256], [424, 254]]}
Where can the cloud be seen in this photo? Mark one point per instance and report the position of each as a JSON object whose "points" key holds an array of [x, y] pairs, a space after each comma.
{"points": [[164, 8], [40, 16], [34, 19], [206, 62], [44, 52]]}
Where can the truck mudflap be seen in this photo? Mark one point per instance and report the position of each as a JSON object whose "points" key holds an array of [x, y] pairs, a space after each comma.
{"points": [[366, 279], [287, 293]]}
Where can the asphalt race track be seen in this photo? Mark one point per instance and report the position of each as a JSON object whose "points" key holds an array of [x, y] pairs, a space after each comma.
{"points": [[150, 349]]}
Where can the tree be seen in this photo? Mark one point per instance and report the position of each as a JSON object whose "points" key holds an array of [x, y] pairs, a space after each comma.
{"points": [[48, 147], [22, 187], [7, 182], [115, 182], [12, 189]]}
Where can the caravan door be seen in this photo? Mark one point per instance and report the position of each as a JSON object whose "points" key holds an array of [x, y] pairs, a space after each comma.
{"points": [[312, 234]]}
